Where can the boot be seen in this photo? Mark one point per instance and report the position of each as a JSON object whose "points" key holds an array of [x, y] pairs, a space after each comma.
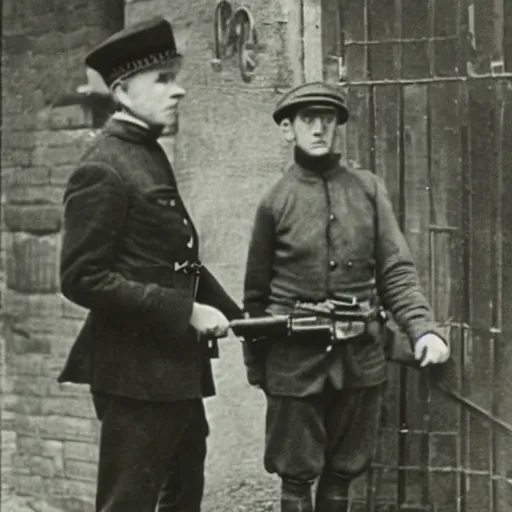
{"points": [[296, 496], [332, 494]]}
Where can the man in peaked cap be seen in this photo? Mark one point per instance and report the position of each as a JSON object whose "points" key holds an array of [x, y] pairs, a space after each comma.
{"points": [[130, 256], [325, 231]]}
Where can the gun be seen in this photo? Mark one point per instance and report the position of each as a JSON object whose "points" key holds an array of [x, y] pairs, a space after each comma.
{"points": [[335, 319], [344, 319]]}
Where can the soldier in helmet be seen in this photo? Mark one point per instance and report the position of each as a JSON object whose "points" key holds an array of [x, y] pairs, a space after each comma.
{"points": [[130, 256], [325, 231]]}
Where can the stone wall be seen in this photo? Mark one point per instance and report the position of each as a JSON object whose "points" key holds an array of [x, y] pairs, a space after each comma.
{"points": [[226, 153], [49, 434]]}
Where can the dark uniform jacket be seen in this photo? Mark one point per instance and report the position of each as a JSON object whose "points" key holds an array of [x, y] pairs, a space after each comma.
{"points": [[318, 235], [128, 255]]}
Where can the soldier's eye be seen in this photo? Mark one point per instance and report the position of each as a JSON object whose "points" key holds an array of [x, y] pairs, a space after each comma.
{"points": [[166, 77]]}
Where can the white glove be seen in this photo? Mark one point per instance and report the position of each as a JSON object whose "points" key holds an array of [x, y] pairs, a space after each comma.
{"points": [[209, 321], [431, 349]]}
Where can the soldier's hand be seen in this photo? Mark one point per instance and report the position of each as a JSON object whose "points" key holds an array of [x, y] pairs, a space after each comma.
{"points": [[209, 321], [431, 349]]}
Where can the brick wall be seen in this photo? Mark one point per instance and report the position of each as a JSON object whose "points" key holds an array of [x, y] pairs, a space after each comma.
{"points": [[226, 153], [49, 434]]}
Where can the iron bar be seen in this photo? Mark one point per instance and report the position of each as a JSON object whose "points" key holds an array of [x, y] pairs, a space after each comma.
{"points": [[401, 495], [431, 80], [355, 42]]}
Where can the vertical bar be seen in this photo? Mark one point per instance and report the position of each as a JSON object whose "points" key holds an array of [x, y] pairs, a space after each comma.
{"points": [[424, 382], [498, 285], [461, 28], [466, 169], [370, 491], [401, 496]]}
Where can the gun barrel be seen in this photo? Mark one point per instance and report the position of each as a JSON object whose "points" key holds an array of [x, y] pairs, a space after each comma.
{"points": [[261, 326]]}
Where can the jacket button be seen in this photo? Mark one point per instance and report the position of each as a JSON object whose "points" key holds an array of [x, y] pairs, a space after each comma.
{"points": [[185, 221], [332, 264], [172, 202], [349, 264], [331, 217]]}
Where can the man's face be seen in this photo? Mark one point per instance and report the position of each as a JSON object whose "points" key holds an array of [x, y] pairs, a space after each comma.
{"points": [[314, 129], [154, 95]]}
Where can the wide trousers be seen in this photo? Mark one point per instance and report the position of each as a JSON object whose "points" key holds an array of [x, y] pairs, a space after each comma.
{"points": [[151, 456], [330, 432]]}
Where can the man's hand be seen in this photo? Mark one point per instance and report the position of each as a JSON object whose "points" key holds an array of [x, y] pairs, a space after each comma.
{"points": [[431, 349], [209, 321]]}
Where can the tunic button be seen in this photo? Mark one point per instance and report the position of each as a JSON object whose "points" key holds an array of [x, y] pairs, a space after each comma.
{"points": [[185, 221], [349, 264], [331, 217], [329, 348], [172, 202], [332, 264]]}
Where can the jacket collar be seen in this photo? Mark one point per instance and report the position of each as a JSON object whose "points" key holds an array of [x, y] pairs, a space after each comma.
{"points": [[128, 127]]}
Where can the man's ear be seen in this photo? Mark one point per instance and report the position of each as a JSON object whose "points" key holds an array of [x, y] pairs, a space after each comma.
{"points": [[287, 130], [119, 92]]}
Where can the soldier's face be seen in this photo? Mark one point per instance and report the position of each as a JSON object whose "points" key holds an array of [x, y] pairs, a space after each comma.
{"points": [[314, 129], [154, 96]]}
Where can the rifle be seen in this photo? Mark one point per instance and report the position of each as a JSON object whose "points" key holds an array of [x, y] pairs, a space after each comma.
{"points": [[335, 320], [340, 320]]}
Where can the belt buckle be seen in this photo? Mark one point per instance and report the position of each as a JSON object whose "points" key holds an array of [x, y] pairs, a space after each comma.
{"points": [[189, 268], [195, 267]]}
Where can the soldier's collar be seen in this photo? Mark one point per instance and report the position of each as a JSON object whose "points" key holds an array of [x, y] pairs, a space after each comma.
{"points": [[315, 166], [128, 127]]}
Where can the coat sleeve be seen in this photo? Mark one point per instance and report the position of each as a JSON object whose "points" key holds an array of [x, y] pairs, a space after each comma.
{"points": [[211, 292], [258, 276], [397, 278], [260, 262], [95, 204]]}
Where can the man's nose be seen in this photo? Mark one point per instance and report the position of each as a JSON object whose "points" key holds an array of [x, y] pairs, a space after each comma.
{"points": [[176, 92], [318, 126]]}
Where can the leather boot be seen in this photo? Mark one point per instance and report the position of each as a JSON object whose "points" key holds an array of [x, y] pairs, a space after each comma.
{"points": [[296, 496], [333, 494]]}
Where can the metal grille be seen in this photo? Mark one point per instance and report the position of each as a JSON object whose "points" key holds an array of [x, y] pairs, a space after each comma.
{"points": [[429, 89]]}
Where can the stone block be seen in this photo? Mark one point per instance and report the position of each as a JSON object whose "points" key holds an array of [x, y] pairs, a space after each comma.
{"points": [[23, 344], [76, 407], [59, 175], [29, 485], [8, 448], [79, 470], [30, 308], [64, 139], [33, 386], [72, 504], [30, 176], [8, 421], [34, 365], [84, 452], [68, 429], [28, 405], [17, 157], [40, 220], [34, 195], [33, 263], [71, 116], [66, 488], [49, 156], [48, 467]]}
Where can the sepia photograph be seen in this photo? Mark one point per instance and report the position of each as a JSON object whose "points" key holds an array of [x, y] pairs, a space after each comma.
{"points": [[254, 256]]}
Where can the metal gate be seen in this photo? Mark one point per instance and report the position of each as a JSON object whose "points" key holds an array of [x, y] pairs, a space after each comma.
{"points": [[429, 89]]}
